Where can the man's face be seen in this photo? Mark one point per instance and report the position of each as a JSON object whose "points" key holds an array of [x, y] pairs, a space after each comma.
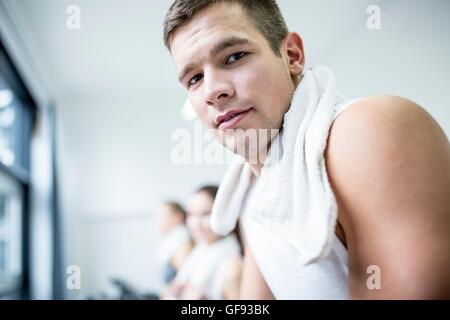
{"points": [[229, 69]]}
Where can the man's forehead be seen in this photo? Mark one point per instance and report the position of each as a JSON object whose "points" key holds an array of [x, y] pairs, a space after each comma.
{"points": [[209, 26], [209, 45], [223, 14]]}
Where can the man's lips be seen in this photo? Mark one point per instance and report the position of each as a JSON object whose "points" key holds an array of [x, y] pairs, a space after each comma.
{"points": [[231, 119]]}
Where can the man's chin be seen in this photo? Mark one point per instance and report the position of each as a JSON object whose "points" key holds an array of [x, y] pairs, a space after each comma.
{"points": [[250, 143], [253, 154]]}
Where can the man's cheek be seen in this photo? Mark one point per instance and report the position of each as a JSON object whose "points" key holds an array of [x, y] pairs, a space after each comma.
{"points": [[253, 79], [203, 116]]}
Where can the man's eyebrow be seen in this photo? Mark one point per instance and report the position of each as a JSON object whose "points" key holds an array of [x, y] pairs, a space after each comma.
{"points": [[185, 71], [229, 42]]}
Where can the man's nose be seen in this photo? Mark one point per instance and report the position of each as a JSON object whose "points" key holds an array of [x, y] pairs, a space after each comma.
{"points": [[217, 89]]}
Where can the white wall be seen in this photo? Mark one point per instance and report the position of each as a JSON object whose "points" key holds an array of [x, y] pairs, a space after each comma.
{"points": [[408, 56]]}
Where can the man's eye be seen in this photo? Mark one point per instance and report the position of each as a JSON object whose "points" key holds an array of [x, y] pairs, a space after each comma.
{"points": [[235, 57], [194, 79]]}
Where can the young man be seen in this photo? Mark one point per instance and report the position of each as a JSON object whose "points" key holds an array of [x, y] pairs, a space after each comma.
{"points": [[387, 160]]}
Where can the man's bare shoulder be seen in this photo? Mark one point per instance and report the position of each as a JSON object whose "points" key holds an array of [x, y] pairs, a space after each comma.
{"points": [[387, 149], [388, 162], [382, 136], [382, 114]]}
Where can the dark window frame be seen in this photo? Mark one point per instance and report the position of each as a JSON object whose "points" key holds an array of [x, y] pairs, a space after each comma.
{"points": [[21, 174]]}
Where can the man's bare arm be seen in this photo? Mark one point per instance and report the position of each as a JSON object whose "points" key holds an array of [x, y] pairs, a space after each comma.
{"points": [[389, 165]]}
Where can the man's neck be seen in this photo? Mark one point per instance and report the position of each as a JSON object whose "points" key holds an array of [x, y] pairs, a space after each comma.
{"points": [[256, 169], [260, 160]]}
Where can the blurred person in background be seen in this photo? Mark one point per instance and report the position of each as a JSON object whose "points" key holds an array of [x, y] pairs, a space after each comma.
{"points": [[213, 268], [177, 243]]}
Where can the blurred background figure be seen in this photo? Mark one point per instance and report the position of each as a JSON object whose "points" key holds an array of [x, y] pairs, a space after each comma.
{"points": [[213, 269], [176, 244]]}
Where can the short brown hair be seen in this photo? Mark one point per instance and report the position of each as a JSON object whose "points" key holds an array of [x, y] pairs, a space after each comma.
{"points": [[265, 14]]}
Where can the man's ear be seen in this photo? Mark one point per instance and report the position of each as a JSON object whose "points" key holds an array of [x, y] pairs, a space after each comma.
{"points": [[295, 54]]}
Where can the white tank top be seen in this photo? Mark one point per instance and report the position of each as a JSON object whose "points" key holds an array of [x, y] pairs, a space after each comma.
{"points": [[280, 266], [203, 265]]}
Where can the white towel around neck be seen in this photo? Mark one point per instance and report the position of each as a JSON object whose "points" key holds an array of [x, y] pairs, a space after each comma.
{"points": [[293, 199]]}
